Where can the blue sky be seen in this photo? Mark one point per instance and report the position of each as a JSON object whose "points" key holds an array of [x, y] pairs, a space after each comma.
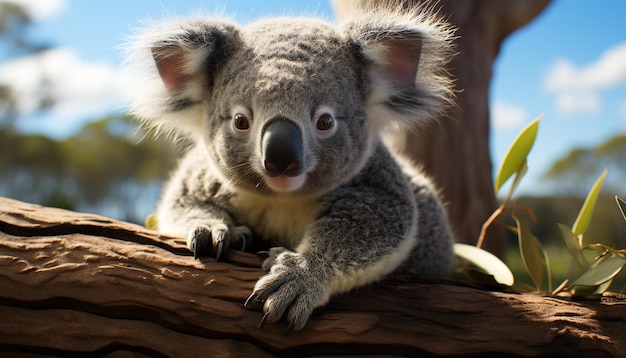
{"points": [[569, 64]]}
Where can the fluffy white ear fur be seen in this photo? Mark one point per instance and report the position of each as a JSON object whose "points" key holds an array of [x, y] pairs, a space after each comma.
{"points": [[408, 51], [169, 63]]}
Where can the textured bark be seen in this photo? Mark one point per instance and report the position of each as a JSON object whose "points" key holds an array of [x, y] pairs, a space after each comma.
{"points": [[75, 284], [456, 151]]}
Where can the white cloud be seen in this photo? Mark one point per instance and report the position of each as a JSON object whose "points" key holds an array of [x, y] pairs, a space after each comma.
{"points": [[41, 9], [576, 89], [505, 116], [577, 102], [609, 70], [78, 88]]}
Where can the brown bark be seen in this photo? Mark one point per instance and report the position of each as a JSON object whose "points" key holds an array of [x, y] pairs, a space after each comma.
{"points": [[84, 285], [456, 151]]}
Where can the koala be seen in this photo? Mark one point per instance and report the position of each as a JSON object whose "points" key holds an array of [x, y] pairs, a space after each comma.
{"points": [[287, 117]]}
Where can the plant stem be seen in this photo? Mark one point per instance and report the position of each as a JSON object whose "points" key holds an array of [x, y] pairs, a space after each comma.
{"points": [[492, 218]]}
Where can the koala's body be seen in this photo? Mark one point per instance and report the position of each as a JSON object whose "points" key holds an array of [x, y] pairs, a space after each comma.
{"points": [[286, 118]]}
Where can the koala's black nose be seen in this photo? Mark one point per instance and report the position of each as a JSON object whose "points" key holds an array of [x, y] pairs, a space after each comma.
{"points": [[282, 147]]}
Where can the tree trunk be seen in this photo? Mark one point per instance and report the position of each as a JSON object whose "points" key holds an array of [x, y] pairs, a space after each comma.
{"points": [[455, 152], [75, 284]]}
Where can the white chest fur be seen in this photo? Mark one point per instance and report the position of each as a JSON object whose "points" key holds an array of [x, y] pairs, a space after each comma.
{"points": [[280, 219]]}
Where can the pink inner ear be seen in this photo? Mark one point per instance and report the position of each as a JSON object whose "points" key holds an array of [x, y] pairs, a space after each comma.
{"points": [[402, 60], [171, 65]]}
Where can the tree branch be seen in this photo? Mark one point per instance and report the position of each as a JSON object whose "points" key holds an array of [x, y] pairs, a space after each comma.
{"points": [[81, 284]]}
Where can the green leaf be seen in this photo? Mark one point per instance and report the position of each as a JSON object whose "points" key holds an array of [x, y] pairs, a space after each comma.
{"points": [[485, 262], [517, 153], [622, 205], [584, 216], [151, 222], [560, 287], [534, 256], [603, 287], [591, 290], [572, 245], [518, 178], [601, 271], [581, 291]]}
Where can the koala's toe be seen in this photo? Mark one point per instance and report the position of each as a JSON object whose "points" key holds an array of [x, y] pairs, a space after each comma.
{"points": [[198, 240], [204, 237], [299, 312], [242, 236], [273, 254], [277, 304], [219, 240]]}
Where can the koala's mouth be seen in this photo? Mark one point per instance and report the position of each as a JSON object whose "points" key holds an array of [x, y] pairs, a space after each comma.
{"points": [[285, 183]]}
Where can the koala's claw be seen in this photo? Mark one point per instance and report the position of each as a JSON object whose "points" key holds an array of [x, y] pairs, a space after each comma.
{"points": [[193, 245], [252, 298], [290, 328], [198, 240], [263, 320], [219, 236], [263, 254], [218, 249]]}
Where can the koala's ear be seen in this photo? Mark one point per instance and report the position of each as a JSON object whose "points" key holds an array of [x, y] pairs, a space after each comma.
{"points": [[171, 63], [173, 69], [396, 57], [405, 55]]}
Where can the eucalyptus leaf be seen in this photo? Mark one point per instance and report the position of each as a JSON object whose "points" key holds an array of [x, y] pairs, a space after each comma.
{"points": [[151, 222], [601, 271], [518, 178], [603, 287], [583, 290], [486, 262], [517, 153], [622, 206], [533, 254], [584, 216], [560, 287], [591, 290], [573, 246]]}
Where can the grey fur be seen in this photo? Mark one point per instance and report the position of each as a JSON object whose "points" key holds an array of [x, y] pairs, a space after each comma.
{"points": [[341, 211]]}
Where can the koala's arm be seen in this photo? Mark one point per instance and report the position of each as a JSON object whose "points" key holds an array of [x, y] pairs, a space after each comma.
{"points": [[191, 208], [364, 230]]}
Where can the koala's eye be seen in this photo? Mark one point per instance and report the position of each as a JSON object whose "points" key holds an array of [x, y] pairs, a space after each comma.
{"points": [[325, 122], [241, 122]]}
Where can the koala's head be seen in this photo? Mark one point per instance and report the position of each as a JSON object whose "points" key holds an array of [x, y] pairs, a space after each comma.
{"points": [[293, 104]]}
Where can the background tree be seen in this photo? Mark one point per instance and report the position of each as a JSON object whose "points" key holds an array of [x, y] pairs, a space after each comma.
{"points": [[108, 167], [14, 24], [577, 170], [456, 152]]}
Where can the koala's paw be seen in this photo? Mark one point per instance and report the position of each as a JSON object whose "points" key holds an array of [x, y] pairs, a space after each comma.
{"points": [[292, 289], [218, 236]]}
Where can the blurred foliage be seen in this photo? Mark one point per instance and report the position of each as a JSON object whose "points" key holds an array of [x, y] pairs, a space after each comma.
{"points": [[15, 42], [108, 167], [15, 22], [14, 19], [576, 171]]}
